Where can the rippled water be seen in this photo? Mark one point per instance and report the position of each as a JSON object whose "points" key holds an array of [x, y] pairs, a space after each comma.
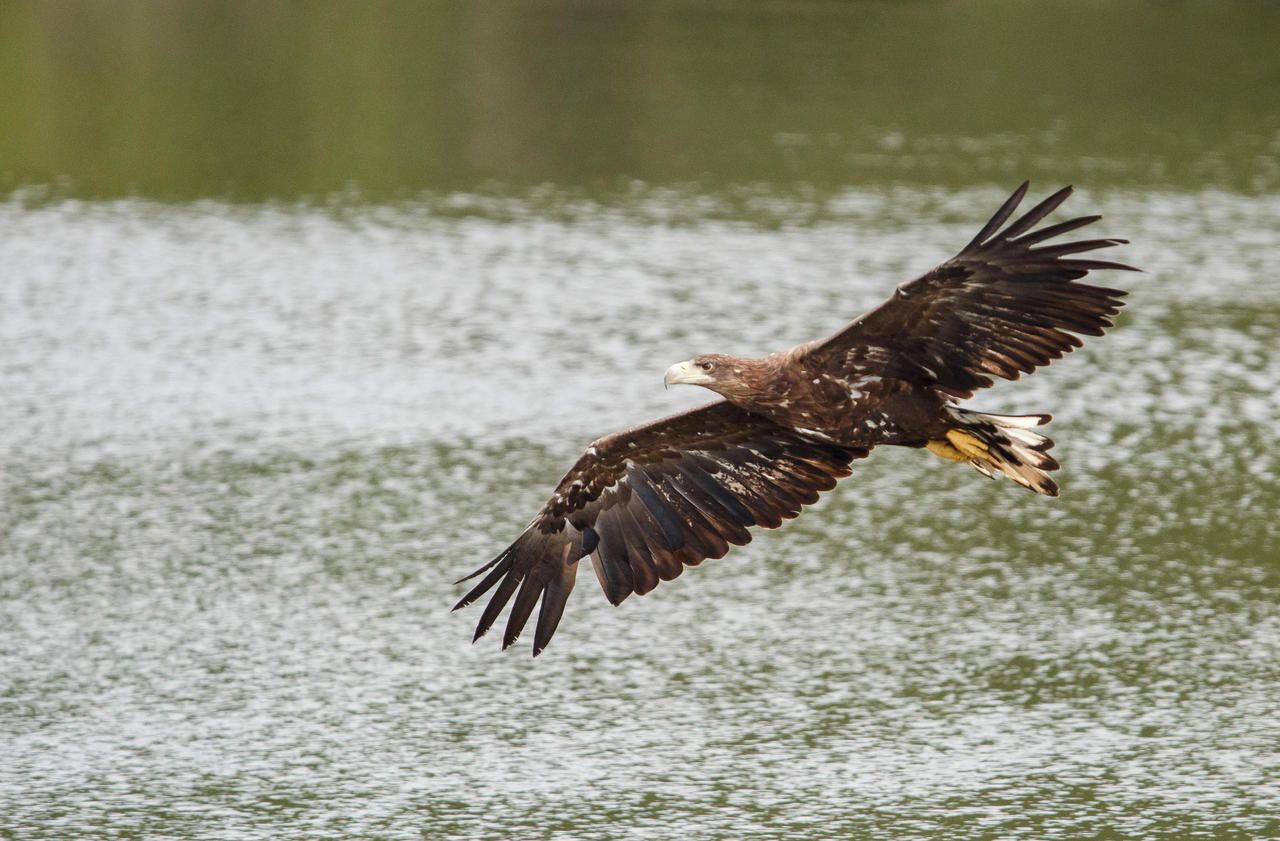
{"points": [[247, 448]]}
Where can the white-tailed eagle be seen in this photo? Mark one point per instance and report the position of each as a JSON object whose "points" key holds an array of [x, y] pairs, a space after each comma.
{"points": [[649, 501]]}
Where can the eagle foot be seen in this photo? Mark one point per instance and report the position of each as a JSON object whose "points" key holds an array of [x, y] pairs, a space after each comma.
{"points": [[969, 446], [943, 449]]}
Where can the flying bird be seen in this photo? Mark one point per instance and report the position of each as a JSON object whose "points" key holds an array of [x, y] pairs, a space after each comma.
{"points": [[648, 501]]}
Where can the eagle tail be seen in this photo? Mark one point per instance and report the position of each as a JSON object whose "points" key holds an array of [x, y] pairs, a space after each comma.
{"points": [[1005, 444]]}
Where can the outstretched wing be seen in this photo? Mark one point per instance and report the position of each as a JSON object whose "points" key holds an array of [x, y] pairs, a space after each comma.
{"points": [[646, 502], [1005, 305]]}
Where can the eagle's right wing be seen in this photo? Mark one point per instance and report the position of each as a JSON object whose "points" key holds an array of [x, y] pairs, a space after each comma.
{"points": [[646, 502]]}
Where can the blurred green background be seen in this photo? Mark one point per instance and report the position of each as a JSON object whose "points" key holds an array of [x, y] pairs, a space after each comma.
{"points": [[284, 100]]}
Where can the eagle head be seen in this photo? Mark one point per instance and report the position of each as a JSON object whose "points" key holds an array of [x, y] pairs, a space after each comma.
{"points": [[720, 373]]}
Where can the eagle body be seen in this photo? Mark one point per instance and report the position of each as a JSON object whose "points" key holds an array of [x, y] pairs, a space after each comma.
{"points": [[646, 502], [868, 404]]}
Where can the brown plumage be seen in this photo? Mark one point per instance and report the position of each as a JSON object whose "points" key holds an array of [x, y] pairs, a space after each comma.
{"points": [[647, 502]]}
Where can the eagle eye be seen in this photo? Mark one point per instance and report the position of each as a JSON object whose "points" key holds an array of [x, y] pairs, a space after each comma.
{"points": [[707, 366]]}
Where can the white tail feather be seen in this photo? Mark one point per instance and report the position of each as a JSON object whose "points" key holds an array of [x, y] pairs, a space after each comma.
{"points": [[1007, 445]]}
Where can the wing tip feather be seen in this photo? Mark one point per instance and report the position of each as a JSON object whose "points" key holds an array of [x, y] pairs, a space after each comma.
{"points": [[501, 556], [1000, 217]]}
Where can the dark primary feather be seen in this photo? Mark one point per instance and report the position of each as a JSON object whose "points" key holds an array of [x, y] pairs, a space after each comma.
{"points": [[649, 501], [1000, 307]]}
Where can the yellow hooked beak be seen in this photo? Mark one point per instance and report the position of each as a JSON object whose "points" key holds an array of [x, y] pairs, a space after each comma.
{"points": [[686, 373]]}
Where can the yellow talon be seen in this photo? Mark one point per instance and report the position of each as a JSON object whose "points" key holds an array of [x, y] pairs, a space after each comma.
{"points": [[942, 449], [970, 447]]}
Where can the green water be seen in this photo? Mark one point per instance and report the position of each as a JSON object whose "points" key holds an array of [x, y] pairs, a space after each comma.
{"points": [[304, 307], [275, 100]]}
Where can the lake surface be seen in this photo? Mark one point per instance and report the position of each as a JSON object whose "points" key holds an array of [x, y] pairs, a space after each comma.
{"points": [[304, 309]]}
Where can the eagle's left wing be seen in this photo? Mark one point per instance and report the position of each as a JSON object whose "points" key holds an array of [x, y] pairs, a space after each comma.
{"points": [[1005, 305], [646, 502]]}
